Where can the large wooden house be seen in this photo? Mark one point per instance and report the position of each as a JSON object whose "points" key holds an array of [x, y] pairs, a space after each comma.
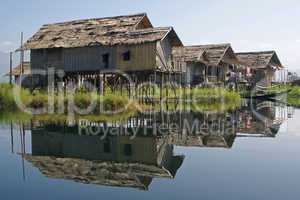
{"points": [[206, 64], [260, 67], [88, 49]]}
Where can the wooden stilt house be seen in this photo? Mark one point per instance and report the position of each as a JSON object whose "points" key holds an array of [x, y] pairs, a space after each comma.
{"points": [[96, 49], [18, 70], [206, 64], [260, 67]]}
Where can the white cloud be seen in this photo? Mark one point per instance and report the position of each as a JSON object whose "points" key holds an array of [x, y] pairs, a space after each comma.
{"points": [[298, 41]]}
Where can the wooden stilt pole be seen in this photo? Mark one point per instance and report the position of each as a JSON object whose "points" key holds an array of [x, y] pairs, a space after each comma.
{"points": [[103, 85], [12, 136], [160, 87], [10, 68], [21, 60]]}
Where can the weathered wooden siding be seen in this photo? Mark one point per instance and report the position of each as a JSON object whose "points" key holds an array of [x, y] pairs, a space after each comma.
{"points": [[88, 58], [163, 56], [37, 58], [50, 143], [144, 149], [142, 57], [195, 73], [84, 59], [223, 70], [45, 58]]}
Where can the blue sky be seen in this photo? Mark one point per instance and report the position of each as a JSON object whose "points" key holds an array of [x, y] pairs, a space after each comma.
{"points": [[247, 25]]}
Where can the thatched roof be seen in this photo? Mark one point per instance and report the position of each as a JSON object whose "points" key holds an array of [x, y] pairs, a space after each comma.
{"points": [[17, 70], [130, 29], [260, 60], [211, 54]]}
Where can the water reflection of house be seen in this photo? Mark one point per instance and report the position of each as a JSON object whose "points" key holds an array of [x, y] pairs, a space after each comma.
{"points": [[114, 161], [207, 130], [213, 141], [263, 120]]}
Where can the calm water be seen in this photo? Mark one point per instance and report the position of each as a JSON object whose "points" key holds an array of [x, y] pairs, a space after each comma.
{"points": [[244, 154]]}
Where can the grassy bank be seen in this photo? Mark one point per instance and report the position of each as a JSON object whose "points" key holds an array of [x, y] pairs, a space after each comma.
{"points": [[81, 100], [198, 100], [293, 97], [293, 93]]}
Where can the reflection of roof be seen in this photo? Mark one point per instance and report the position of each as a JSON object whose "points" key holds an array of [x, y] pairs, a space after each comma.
{"points": [[259, 59], [214, 141], [17, 70], [211, 54], [225, 141], [88, 172], [275, 129], [134, 175], [130, 29]]}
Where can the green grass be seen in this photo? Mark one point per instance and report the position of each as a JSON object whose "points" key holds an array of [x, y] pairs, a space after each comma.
{"points": [[293, 93], [214, 95], [7, 100], [39, 99], [294, 96], [279, 89], [15, 117], [203, 95], [201, 99]]}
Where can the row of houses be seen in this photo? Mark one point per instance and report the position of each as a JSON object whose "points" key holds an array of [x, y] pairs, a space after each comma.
{"points": [[97, 50]]}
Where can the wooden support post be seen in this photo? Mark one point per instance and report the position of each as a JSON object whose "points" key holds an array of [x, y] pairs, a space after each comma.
{"points": [[12, 136], [121, 85], [136, 84], [10, 68], [160, 87], [142, 88], [101, 84], [21, 60], [129, 89], [154, 86]]}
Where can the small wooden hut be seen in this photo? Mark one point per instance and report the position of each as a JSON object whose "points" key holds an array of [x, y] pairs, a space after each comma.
{"points": [[95, 48], [260, 67], [206, 64], [20, 70]]}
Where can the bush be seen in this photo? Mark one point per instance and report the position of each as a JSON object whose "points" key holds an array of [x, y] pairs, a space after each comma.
{"points": [[7, 100]]}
